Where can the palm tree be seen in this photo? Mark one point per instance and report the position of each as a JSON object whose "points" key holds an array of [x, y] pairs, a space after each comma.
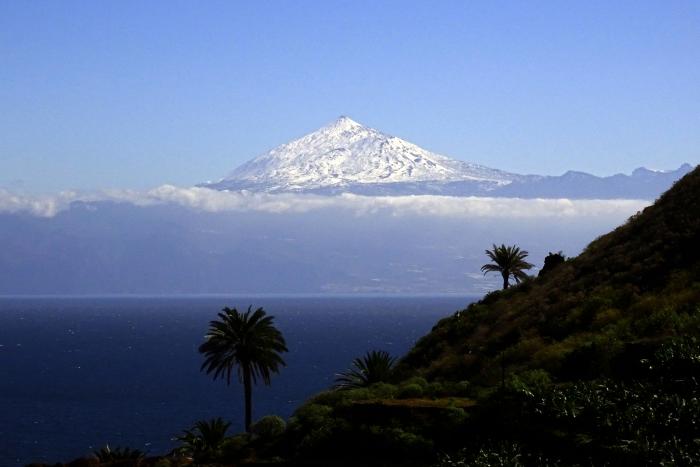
{"points": [[247, 341], [107, 454], [374, 367], [204, 438], [509, 261]]}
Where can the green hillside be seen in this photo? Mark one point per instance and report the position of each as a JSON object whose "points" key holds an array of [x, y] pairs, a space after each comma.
{"points": [[588, 316], [597, 362]]}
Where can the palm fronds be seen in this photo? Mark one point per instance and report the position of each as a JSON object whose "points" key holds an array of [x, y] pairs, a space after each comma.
{"points": [[238, 340], [107, 454], [509, 261], [204, 437], [374, 367]]}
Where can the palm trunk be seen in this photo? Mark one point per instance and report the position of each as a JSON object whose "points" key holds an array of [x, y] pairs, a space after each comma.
{"points": [[248, 392], [505, 280]]}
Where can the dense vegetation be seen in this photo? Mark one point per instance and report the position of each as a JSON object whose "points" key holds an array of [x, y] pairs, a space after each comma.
{"points": [[594, 362], [587, 316]]}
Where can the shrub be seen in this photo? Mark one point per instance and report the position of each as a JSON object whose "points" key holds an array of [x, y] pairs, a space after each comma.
{"points": [[455, 415], [605, 317], [107, 454], [269, 426], [383, 390], [236, 447], [422, 382], [330, 398], [322, 438], [458, 389], [410, 391], [312, 414], [359, 394], [552, 261], [550, 357], [434, 389]]}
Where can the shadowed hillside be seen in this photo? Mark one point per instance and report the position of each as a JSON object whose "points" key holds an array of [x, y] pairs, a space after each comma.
{"points": [[637, 284], [596, 362]]}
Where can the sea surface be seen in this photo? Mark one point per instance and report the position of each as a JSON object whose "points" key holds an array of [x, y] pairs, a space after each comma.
{"points": [[77, 373]]}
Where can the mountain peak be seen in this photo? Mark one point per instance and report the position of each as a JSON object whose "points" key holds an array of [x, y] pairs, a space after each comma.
{"points": [[346, 121], [343, 124], [346, 153]]}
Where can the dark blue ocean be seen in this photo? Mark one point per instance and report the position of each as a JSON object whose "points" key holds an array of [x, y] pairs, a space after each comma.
{"points": [[76, 373]]}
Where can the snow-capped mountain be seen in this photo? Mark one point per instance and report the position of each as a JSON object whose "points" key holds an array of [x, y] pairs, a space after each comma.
{"points": [[347, 157], [346, 153]]}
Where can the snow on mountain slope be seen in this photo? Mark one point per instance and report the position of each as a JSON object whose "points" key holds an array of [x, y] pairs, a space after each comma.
{"points": [[346, 153], [347, 157]]}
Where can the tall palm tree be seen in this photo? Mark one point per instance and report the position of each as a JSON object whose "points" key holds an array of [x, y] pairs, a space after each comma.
{"points": [[509, 261], [374, 367], [247, 341]]}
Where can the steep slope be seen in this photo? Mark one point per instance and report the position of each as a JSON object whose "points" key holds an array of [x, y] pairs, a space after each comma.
{"points": [[591, 315], [597, 362], [347, 153]]}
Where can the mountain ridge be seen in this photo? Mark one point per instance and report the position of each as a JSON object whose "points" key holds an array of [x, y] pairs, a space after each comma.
{"points": [[348, 157]]}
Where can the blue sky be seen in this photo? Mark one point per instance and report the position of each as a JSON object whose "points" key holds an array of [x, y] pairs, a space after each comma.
{"points": [[137, 94]]}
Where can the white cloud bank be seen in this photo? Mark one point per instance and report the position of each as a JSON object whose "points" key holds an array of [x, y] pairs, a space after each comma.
{"points": [[204, 199], [42, 206]]}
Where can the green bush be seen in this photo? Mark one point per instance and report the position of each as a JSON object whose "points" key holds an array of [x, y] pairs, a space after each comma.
{"points": [[351, 395], [269, 426], [434, 389], [410, 391], [422, 382], [383, 390], [236, 447], [312, 414], [449, 389], [322, 438], [456, 416], [330, 398]]}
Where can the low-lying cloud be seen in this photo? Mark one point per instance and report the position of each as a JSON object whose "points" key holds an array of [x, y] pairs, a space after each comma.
{"points": [[42, 206], [204, 199]]}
